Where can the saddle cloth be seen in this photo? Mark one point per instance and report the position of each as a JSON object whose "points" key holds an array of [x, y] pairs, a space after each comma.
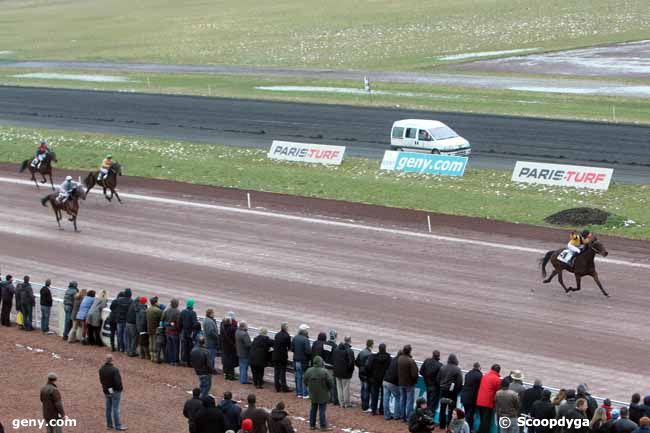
{"points": [[565, 256]]}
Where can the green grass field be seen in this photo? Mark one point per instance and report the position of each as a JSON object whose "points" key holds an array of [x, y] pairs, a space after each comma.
{"points": [[481, 193], [362, 34], [424, 97]]}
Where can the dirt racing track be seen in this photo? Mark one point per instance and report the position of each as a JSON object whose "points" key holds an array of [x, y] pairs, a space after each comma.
{"points": [[472, 288]]}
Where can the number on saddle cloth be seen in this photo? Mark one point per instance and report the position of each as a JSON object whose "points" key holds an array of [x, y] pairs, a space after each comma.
{"points": [[565, 256]]}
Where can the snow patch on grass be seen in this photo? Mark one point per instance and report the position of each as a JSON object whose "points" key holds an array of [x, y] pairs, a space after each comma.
{"points": [[352, 91], [5, 52], [623, 90], [73, 77], [465, 56]]}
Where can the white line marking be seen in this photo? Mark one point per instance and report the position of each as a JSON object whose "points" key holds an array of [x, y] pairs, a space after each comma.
{"points": [[335, 223]]}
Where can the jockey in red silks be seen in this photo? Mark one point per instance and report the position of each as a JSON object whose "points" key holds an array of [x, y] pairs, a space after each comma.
{"points": [[41, 152]]}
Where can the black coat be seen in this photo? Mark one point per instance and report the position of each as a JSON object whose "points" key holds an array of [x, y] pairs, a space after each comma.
{"points": [[109, 376], [392, 373], [317, 348], [450, 374], [470, 388], [530, 396], [376, 367], [191, 409], [122, 308], [132, 313], [200, 360], [429, 372], [542, 409], [232, 414], [188, 321], [46, 296], [328, 351], [343, 361], [281, 346], [210, 420], [260, 355]]}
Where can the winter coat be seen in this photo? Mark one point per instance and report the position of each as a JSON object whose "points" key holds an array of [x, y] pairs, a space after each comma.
{"points": [[24, 296], [75, 307], [517, 387], [542, 409], [200, 361], [470, 389], [211, 333], [232, 414], [52, 404], [328, 350], [575, 414], [112, 316], [407, 371], [392, 375], [243, 343], [7, 291], [450, 377], [317, 347], [506, 403], [260, 355], [490, 384], [624, 425], [46, 296], [109, 376], [94, 317], [301, 348], [259, 417], [131, 313], [154, 315], [84, 307], [281, 346], [209, 420], [420, 421], [376, 367], [188, 321], [319, 382], [279, 422], [642, 429], [565, 407], [360, 362], [141, 318], [592, 404], [530, 396], [429, 372], [170, 319], [68, 296], [227, 335], [458, 426], [122, 306], [191, 409], [343, 362]]}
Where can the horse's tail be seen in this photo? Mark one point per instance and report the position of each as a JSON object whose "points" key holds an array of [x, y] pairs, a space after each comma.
{"points": [[23, 166], [90, 181], [44, 200], [544, 261]]}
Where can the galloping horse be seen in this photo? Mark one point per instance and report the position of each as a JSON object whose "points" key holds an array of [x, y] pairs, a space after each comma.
{"points": [[583, 265], [44, 169], [70, 206], [110, 182]]}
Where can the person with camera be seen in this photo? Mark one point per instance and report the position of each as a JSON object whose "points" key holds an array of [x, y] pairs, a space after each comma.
{"points": [[421, 420]]}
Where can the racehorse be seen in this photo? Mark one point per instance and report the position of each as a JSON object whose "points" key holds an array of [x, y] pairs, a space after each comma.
{"points": [[110, 182], [70, 206], [44, 169], [584, 264]]}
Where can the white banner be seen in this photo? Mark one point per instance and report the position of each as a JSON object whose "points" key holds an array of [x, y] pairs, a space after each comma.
{"points": [[575, 176], [305, 152]]}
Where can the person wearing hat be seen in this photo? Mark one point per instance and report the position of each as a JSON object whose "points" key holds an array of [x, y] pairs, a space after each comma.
{"points": [[52, 403], [328, 350], [319, 384], [188, 321], [517, 384], [301, 348], [421, 420], [106, 166], [66, 188], [68, 305], [41, 153], [246, 426]]}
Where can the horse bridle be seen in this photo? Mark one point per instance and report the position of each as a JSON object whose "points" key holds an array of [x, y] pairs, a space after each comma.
{"points": [[593, 247]]}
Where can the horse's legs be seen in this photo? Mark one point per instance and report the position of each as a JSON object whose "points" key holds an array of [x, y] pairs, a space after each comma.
{"points": [[44, 179], [600, 286], [56, 215], [106, 195], [578, 280], [51, 181], [561, 280], [117, 196], [553, 274], [34, 179]]}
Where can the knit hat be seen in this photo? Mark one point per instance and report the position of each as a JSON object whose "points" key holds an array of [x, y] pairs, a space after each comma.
{"points": [[143, 300], [615, 414], [247, 424], [190, 302], [52, 377]]}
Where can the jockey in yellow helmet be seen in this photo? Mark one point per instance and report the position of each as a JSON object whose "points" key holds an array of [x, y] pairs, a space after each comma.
{"points": [[577, 242], [107, 164]]}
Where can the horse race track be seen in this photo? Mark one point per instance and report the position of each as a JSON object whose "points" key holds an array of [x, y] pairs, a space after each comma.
{"points": [[292, 259]]}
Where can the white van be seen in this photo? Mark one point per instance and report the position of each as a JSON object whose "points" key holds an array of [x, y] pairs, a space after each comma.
{"points": [[428, 135]]}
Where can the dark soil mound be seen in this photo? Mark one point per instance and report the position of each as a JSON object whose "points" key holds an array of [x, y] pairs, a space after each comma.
{"points": [[580, 216]]}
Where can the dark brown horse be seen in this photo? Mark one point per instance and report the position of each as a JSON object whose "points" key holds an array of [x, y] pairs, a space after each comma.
{"points": [[584, 264], [70, 206], [44, 169], [108, 183]]}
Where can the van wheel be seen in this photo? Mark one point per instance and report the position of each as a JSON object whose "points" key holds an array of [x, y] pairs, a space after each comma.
{"points": [[398, 149], [435, 152]]}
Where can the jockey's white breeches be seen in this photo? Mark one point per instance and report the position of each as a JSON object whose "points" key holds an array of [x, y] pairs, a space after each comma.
{"points": [[574, 249]]}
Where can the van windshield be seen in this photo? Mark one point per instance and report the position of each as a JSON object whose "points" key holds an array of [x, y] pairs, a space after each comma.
{"points": [[443, 132]]}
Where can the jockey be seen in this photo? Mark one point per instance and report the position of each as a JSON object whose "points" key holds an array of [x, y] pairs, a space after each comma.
{"points": [[41, 153], [66, 188], [577, 242], [107, 164]]}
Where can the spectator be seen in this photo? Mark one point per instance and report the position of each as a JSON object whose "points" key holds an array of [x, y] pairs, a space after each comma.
{"points": [[458, 423], [301, 354], [94, 318], [153, 315], [421, 420], [376, 369], [280, 357], [246, 426], [260, 355], [343, 361], [636, 409], [530, 396], [46, 306], [111, 381], [391, 389], [200, 361], [279, 421], [52, 404], [490, 384], [407, 371], [228, 347], [112, 323], [578, 417], [132, 328], [25, 302], [569, 403], [211, 332], [450, 379], [599, 421], [317, 349], [141, 326], [192, 408], [328, 349], [188, 321], [319, 385], [77, 325], [260, 417], [429, 372], [542, 409], [243, 344], [210, 418], [170, 319], [607, 405], [123, 302], [506, 403], [582, 391], [7, 292], [644, 425], [68, 304], [624, 424], [469, 394], [645, 407], [559, 398], [360, 362], [82, 314], [517, 384], [231, 411], [161, 340], [615, 417]]}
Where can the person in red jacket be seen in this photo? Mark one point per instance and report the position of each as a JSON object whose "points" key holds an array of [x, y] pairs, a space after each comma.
{"points": [[490, 384]]}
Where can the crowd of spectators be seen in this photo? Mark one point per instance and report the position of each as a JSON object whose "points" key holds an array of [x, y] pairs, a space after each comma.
{"points": [[323, 370]]}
